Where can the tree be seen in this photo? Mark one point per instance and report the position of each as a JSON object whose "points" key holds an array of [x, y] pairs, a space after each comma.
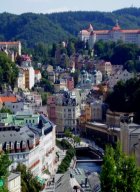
{"points": [[5, 110], [4, 164], [8, 71], [28, 181], [119, 172]]}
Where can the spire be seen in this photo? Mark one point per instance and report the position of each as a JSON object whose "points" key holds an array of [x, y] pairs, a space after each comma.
{"points": [[90, 28]]}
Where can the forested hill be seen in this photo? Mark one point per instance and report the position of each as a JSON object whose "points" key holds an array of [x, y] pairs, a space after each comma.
{"points": [[32, 28]]}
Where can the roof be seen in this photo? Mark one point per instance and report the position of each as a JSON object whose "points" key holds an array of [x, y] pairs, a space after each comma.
{"points": [[5, 99], [13, 176], [100, 32], [10, 43], [23, 134], [37, 72], [131, 31], [63, 183]]}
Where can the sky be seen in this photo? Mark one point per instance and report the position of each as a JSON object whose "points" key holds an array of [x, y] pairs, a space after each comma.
{"points": [[49, 6]]}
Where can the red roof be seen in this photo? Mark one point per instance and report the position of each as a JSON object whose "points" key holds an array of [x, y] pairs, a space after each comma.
{"points": [[100, 32], [10, 43], [131, 31], [37, 72], [11, 99]]}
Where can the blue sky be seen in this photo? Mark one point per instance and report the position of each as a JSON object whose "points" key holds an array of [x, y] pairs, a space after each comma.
{"points": [[48, 6]]}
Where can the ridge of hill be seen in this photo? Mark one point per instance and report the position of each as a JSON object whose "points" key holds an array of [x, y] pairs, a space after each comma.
{"points": [[31, 28]]}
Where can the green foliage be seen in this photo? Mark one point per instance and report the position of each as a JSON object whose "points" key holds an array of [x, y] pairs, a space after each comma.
{"points": [[5, 110], [68, 133], [55, 27], [118, 53], [63, 167], [44, 98], [119, 172], [125, 98], [8, 71], [28, 181], [4, 164]]}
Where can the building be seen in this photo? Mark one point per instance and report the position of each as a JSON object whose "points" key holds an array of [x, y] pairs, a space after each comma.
{"points": [[97, 110], [14, 182], [29, 77], [6, 99], [21, 79], [104, 67], [29, 139], [37, 76], [64, 109], [116, 33], [130, 137], [122, 75], [87, 80], [15, 45]]}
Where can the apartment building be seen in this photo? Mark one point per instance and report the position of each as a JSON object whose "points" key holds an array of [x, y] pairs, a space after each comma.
{"points": [[29, 139], [64, 110]]}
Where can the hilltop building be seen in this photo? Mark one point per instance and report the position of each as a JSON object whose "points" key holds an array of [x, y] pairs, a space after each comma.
{"points": [[116, 33]]}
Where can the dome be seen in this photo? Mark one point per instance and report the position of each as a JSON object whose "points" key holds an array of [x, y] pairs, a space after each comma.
{"points": [[83, 72], [88, 80], [94, 72]]}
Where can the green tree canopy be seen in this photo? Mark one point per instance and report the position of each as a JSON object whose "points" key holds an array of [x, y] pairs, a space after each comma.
{"points": [[119, 172], [4, 164], [8, 71], [28, 182]]}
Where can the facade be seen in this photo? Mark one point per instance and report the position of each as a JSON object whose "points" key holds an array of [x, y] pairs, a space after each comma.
{"points": [[119, 76], [104, 67], [87, 79], [116, 33], [29, 139], [29, 77], [15, 45], [21, 80], [97, 110], [64, 109], [113, 118], [6, 99], [37, 76], [14, 182], [85, 113], [129, 139]]}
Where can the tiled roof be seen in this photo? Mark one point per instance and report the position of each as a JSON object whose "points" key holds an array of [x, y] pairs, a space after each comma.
{"points": [[8, 99], [102, 32], [131, 31], [10, 43]]}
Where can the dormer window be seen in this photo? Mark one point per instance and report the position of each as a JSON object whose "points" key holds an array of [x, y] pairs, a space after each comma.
{"points": [[18, 145], [7, 146]]}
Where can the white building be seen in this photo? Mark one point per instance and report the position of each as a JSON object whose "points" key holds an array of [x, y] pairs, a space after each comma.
{"points": [[89, 79], [115, 34], [119, 75], [32, 145], [38, 76], [14, 182]]}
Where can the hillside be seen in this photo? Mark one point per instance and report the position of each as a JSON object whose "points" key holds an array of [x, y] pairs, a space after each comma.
{"points": [[32, 28]]}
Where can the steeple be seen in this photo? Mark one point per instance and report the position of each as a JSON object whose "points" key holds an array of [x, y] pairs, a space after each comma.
{"points": [[90, 28]]}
